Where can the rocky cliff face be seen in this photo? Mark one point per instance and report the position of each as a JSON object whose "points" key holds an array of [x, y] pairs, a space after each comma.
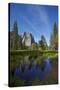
{"points": [[26, 39], [32, 38]]}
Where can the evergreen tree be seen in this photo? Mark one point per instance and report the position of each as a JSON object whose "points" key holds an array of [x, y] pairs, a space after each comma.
{"points": [[43, 43], [15, 36], [54, 38]]}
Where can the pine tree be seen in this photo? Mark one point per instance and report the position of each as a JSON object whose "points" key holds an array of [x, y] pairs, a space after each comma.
{"points": [[15, 37], [43, 43], [54, 38]]}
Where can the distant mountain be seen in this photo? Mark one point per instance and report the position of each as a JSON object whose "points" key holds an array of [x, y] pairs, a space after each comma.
{"points": [[28, 39], [32, 38]]}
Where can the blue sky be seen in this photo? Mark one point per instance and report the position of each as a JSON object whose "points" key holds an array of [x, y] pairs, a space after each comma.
{"points": [[36, 19]]}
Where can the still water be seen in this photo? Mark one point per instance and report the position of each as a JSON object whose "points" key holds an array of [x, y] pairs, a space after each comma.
{"points": [[33, 70]]}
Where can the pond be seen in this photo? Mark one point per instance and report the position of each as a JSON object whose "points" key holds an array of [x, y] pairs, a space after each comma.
{"points": [[30, 70]]}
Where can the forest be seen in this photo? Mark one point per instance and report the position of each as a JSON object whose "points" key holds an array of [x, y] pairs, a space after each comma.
{"points": [[16, 40]]}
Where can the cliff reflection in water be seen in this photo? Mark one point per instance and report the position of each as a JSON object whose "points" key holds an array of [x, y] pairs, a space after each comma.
{"points": [[34, 70]]}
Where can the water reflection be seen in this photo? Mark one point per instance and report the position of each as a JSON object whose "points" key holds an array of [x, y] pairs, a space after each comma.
{"points": [[30, 69]]}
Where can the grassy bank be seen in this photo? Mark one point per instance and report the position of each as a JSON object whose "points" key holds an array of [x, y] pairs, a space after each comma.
{"points": [[30, 52]]}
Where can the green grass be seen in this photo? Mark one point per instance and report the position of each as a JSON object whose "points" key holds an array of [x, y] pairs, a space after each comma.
{"points": [[31, 52]]}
